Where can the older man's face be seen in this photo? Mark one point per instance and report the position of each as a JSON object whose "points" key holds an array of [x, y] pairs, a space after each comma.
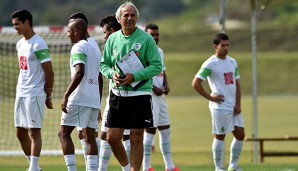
{"points": [[128, 18]]}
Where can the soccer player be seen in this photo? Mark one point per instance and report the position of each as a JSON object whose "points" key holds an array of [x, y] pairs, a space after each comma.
{"points": [[81, 101], [109, 25], [34, 87], [223, 76], [160, 113], [129, 108], [91, 40]]}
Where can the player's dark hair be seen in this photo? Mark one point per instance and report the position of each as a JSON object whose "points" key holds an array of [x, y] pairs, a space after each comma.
{"points": [[23, 15], [78, 15], [151, 26], [111, 22], [219, 37]]}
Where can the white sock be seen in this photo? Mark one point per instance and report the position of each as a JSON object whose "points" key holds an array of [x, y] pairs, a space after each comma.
{"points": [[153, 141], [84, 146], [235, 151], [127, 147], [98, 146], [147, 142], [104, 155], [165, 148], [33, 163], [70, 161], [92, 162], [126, 168], [218, 152]]}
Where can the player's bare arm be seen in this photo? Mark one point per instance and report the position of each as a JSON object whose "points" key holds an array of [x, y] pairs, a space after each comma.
{"points": [[237, 108], [197, 85], [157, 91], [99, 118], [166, 85], [49, 79], [76, 80]]}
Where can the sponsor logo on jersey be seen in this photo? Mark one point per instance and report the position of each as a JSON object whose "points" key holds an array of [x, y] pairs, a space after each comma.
{"points": [[23, 63], [229, 78]]}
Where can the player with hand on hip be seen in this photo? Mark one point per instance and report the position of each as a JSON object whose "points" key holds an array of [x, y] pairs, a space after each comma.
{"points": [[223, 77]]}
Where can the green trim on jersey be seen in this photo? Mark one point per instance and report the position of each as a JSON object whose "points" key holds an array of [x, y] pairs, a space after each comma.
{"points": [[79, 56], [205, 72], [42, 54], [236, 72]]}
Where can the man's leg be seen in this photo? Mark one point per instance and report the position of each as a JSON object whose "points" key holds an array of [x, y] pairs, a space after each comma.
{"points": [[165, 146], [24, 139], [36, 144], [148, 139], [114, 136], [92, 151], [97, 140], [218, 150], [105, 153], [83, 143], [126, 143], [67, 146], [236, 147], [26, 144], [136, 153]]}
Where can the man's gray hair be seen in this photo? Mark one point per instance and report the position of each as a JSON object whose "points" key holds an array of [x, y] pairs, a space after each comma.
{"points": [[127, 3]]}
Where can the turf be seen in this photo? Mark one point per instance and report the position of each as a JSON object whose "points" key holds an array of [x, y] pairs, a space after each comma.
{"points": [[191, 137]]}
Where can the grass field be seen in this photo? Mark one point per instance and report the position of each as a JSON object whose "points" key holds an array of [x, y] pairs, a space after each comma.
{"points": [[190, 119], [191, 137]]}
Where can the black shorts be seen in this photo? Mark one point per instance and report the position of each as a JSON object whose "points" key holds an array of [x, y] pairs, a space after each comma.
{"points": [[130, 112]]}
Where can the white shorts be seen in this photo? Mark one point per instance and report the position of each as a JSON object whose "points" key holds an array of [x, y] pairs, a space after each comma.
{"points": [[224, 121], [80, 116], [105, 116], [29, 111], [160, 111]]}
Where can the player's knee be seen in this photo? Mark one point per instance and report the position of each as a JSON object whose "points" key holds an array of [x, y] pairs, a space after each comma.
{"points": [[103, 136], [136, 137], [151, 130], [89, 138], [21, 135], [113, 140], [80, 135], [34, 133], [239, 134], [62, 135]]}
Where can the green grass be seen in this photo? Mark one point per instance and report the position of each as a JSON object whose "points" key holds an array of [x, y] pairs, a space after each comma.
{"points": [[190, 118], [191, 136]]}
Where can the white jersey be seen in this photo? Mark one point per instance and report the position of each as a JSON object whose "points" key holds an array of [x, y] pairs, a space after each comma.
{"points": [[94, 44], [31, 54], [87, 92], [158, 79], [221, 75]]}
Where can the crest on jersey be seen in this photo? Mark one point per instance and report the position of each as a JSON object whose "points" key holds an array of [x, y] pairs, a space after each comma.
{"points": [[137, 46]]}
